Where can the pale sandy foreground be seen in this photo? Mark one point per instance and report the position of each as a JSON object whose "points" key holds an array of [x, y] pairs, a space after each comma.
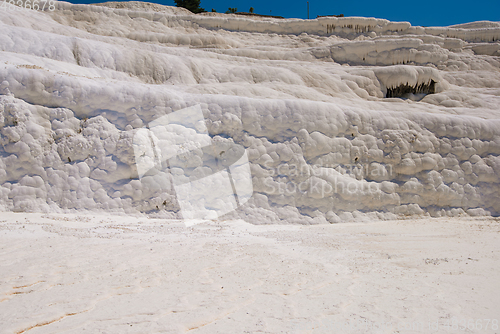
{"points": [[112, 274]]}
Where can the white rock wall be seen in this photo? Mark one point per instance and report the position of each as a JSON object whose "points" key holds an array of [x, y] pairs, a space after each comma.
{"points": [[330, 164], [324, 144]]}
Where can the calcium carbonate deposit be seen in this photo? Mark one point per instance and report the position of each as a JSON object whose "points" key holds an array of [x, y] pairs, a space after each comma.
{"points": [[145, 109]]}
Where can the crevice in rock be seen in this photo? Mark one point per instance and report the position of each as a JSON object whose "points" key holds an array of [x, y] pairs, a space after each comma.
{"points": [[404, 90]]}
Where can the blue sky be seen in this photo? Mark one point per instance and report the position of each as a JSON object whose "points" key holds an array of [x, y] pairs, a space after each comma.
{"points": [[420, 12]]}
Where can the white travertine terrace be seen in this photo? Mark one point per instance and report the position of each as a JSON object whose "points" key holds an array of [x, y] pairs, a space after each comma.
{"points": [[306, 98]]}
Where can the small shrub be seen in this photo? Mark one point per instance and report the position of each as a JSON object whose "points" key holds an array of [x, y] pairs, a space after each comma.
{"points": [[191, 5]]}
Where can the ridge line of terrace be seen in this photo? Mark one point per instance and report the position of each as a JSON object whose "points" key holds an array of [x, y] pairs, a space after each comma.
{"points": [[323, 26]]}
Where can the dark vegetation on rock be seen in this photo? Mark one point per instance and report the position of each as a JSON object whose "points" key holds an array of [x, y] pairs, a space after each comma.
{"points": [[191, 5], [403, 90]]}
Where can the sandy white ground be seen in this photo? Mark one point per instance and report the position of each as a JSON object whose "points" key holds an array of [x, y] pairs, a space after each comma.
{"points": [[111, 274]]}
